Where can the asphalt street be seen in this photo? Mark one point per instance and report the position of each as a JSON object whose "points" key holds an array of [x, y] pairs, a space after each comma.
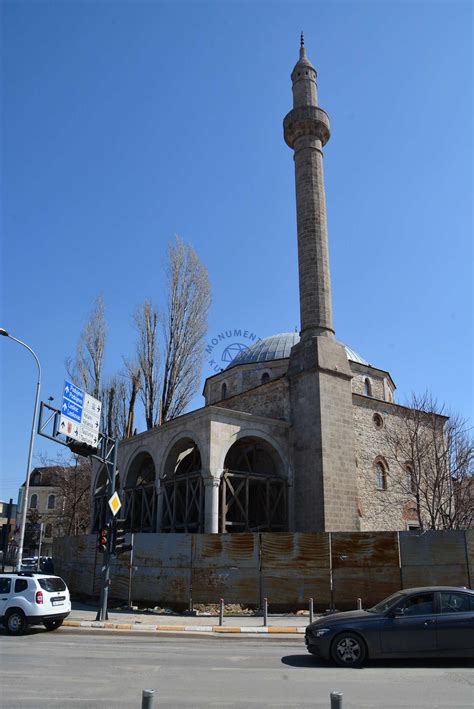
{"points": [[82, 668]]}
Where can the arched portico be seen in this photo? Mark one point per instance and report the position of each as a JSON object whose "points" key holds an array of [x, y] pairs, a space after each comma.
{"points": [[183, 489], [140, 494], [253, 488]]}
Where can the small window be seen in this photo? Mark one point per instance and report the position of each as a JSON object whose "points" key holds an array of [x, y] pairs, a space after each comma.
{"points": [[52, 584], [36, 479], [21, 585], [410, 478], [412, 527], [224, 391], [381, 476], [265, 378], [48, 532], [5, 585], [367, 387], [33, 502], [452, 602], [51, 502], [378, 421], [419, 605]]}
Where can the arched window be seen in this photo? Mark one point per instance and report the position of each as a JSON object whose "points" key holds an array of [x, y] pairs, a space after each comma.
{"points": [[410, 478], [380, 476], [33, 502], [265, 378], [48, 532], [51, 502], [224, 391], [367, 387]]}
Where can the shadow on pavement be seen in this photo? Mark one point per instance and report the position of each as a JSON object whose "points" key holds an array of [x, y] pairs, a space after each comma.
{"points": [[305, 661]]}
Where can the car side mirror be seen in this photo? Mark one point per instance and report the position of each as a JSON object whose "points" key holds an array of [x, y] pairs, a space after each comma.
{"points": [[395, 612]]}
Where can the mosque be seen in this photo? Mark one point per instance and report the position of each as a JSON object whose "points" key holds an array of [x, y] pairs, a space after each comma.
{"points": [[291, 436]]}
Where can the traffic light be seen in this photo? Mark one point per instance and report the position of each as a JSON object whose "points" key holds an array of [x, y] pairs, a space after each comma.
{"points": [[119, 546], [103, 538]]}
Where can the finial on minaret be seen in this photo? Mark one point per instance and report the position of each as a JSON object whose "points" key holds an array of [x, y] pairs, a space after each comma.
{"points": [[302, 40]]}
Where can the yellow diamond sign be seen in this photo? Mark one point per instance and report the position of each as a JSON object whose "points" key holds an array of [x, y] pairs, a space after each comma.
{"points": [[115, 504]]}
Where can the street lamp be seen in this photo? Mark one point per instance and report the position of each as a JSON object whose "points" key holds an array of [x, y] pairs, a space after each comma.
{"points": [[5, 333]]}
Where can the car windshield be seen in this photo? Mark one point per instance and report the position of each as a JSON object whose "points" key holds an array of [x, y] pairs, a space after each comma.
{"points": [[386, 603], [52, 584]]}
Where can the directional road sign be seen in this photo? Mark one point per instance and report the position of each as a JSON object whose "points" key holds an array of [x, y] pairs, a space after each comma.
{"points": [[80, 415]]}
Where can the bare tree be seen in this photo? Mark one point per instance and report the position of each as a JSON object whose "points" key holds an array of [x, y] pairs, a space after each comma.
{"points": [[432, 466], [184, 328], [146, 321], [133, 376], [85, 368], [74, 483]]}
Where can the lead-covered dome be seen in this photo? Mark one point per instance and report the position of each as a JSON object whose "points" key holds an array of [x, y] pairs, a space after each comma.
{"points": [[279, 347]]}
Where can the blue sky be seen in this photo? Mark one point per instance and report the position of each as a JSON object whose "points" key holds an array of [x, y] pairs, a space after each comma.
{"points": [[125, 123]]}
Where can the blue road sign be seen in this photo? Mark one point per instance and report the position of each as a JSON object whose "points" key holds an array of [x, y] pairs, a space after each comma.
{"points": [[73, 401]]}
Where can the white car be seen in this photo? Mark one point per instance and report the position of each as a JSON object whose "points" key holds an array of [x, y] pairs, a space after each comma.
{"points": [[32, 599]]}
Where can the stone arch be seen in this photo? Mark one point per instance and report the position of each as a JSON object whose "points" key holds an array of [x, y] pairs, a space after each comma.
{"points": [[253, 488], [182, 487], [140, 503]]}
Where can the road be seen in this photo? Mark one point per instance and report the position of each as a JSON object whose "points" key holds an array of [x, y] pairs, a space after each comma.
{"points": [[76, 668]]}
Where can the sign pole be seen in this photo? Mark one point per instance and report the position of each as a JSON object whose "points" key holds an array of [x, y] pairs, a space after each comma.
{"points": [[102, 613]]}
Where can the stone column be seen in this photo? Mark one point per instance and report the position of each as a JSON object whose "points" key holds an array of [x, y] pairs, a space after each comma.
{"points": [[159, 504], [211, 505]]}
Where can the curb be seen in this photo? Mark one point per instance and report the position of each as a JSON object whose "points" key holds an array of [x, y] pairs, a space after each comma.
{"points": [[257, 630]]}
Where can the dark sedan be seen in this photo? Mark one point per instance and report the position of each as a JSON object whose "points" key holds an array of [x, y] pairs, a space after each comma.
{"points": [[434, 621]]}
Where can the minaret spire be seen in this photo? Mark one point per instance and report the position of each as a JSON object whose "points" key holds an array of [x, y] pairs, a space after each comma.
{"points": [[306, 130]]}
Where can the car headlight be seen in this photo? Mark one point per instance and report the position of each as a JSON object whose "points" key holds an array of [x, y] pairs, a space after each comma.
{"points": [[319, 632]]}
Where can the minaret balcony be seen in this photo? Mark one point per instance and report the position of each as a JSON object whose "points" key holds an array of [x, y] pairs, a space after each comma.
{"points": [[306, 121]]}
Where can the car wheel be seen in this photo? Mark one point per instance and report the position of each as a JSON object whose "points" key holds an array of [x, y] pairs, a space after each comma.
{"points": [[53, 624], [16, 622], [348, 650]]}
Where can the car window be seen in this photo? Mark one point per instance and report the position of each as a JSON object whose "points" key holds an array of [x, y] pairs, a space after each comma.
{"points": [[422, 604], [5, 585], [454, 602], [20, 585], [386, 603], [52, 584]]}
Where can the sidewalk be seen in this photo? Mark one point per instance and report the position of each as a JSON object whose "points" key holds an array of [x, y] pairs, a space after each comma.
{"points": [[83, 616]]}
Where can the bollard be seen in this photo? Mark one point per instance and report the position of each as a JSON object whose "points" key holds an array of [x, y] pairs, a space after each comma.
{"points": [[359, 604], [311, 610], [221, 612], [265, 611], [147, 698], [336, 700]]}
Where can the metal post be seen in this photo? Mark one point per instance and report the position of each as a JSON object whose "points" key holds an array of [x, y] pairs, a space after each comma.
{"points": [[39, 546], [359, 604], [311, 610], [30, 449], [147, 698], [265, 611], [336, 700], [7, 529], [104, 593], [130, 573], [221, 612]]}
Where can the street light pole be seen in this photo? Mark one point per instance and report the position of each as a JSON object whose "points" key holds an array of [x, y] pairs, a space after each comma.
{"points": [[5, 333]]}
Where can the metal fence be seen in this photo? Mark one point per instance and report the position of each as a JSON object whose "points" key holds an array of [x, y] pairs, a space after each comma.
{"points": [[287, 568]]}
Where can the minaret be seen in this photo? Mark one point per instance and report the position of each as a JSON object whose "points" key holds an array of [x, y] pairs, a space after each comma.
{"points": [[306, 130], [322, 432]]}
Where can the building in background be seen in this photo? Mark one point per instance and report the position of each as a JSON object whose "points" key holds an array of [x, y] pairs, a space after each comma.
{"points": [[292, 436], [58, 505]]}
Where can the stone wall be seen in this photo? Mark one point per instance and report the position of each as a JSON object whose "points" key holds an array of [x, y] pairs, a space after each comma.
{"points": [[271, 400]]}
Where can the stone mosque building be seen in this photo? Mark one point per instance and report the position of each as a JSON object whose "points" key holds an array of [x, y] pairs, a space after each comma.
{"points": [[291, 436]]}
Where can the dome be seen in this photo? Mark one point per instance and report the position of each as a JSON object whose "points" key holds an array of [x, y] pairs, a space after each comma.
{"points": [[279, 347]]}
